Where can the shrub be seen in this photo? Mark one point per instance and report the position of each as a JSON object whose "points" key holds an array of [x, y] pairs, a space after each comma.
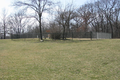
{"points": [[55, 36]]}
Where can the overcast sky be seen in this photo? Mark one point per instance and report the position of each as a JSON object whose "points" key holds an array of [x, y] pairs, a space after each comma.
{"points": [[7, 3], [76, 2]]}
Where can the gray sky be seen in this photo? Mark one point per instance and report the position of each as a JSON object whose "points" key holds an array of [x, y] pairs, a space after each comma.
{"points": [[6, 4], [75, 2]]}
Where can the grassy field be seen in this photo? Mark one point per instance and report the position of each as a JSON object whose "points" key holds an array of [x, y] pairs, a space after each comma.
{"points": [[60, 60]]}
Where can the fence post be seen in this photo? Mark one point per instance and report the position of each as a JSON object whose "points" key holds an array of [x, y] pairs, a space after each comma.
{"points": [[91, 35], [11, 36], [72, 35]]}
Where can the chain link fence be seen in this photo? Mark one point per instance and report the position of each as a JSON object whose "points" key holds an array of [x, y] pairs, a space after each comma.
{"points": [[95, 35]]}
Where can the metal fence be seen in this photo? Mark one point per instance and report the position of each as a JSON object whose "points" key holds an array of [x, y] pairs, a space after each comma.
{"points": [[101, 35], [95, 35]]}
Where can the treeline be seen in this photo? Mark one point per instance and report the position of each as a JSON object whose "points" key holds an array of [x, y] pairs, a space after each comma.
{"points": [[100, 16]]}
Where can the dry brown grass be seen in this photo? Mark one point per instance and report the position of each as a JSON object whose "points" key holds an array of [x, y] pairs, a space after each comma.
{"points": [[60, 60]]}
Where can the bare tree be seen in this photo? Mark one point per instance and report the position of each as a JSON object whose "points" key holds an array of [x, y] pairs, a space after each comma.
{"points": [[86, 14], [61, 21], [17, 22], [64, 17], [4, 22], [54, 27], [69, 15], [107, 10], [38, 6], [116, 22]]}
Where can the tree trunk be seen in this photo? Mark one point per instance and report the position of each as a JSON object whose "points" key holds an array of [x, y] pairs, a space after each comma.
{"points": [[63, 32], [40, 27], [4, 32], [111, 29], [85, 26]]}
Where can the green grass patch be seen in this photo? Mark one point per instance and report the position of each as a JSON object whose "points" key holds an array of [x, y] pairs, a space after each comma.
{"points": [[60, 60]]}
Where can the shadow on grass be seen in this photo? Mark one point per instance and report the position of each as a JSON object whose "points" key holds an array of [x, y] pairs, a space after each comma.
{"points": [[67, 40], [25, 39]]}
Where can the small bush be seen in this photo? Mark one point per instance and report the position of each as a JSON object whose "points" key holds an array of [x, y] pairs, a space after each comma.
{"points": [[56, 36]]}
